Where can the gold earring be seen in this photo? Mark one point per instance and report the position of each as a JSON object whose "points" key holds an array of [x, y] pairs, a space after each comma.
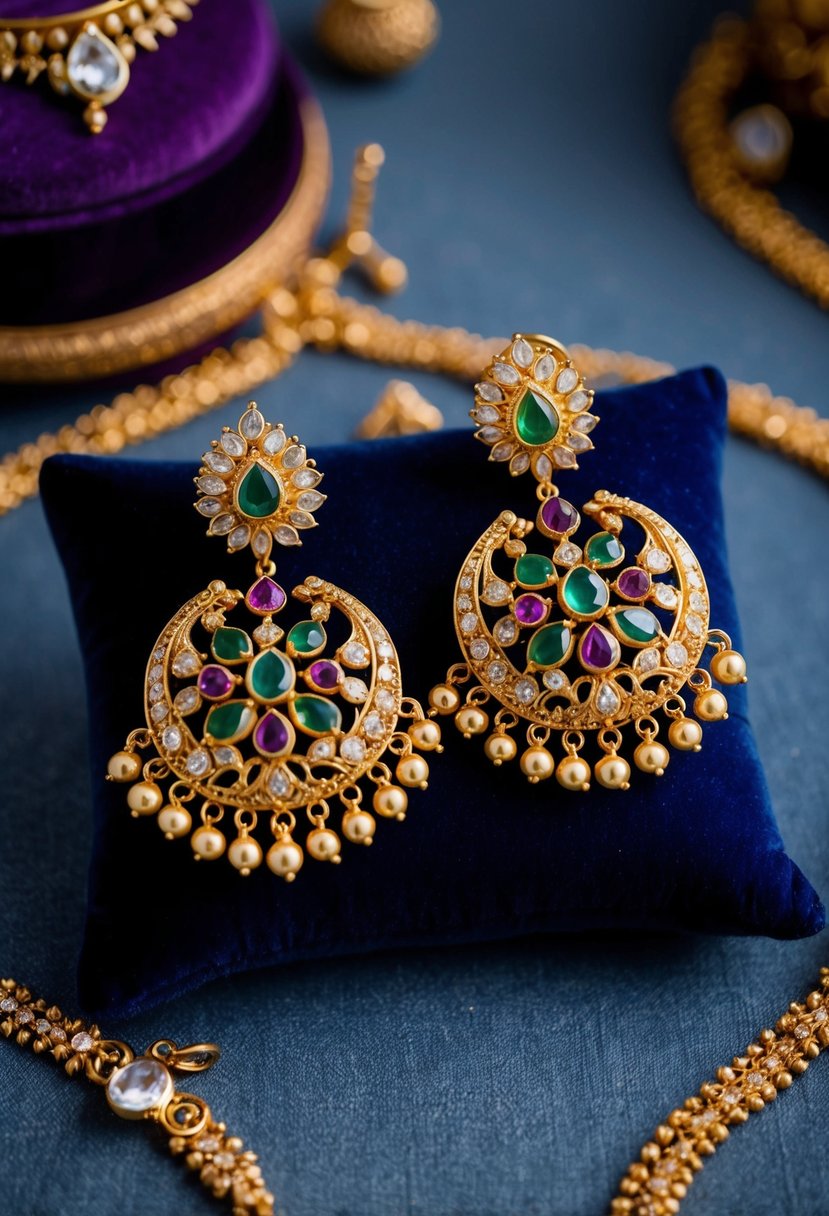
{"points": [[250, 720], [575, 642]]}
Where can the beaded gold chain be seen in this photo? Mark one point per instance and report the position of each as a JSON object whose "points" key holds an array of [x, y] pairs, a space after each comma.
{"points": [[314, 314]]}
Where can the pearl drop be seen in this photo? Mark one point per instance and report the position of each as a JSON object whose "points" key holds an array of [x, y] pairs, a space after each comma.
{"points": [[500, 748], [613, 773], [444, 698], [537, 764], [324, 845], [124, 766], [208, 843], [285, 859], [471, 721], [358, 826], [685, 734], [245, 854], [412, 770], [174, 821], [425, 734], [145, 798], [391, 802], [573, 773]]}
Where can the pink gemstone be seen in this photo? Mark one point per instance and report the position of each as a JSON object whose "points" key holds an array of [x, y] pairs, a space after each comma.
{"points": [[559, 516], [598, 649], [214, 682], [530, 609], [265, 596], [634, 583], [324, 674]]}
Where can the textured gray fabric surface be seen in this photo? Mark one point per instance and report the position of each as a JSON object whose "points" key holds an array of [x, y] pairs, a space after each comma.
{"points": [[531, 183]]}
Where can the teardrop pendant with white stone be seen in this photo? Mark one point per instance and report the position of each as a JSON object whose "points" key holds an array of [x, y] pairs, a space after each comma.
{"points": [[97, 72]]}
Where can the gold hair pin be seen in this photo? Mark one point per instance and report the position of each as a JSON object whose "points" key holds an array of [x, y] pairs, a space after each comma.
{"points": [[87, 53]]}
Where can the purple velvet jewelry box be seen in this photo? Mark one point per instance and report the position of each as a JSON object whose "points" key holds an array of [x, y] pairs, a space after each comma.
{"points": [[202, 155]]}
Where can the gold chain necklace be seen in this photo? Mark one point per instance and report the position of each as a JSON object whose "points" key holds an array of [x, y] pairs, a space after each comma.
{"points": [[315, 315]]}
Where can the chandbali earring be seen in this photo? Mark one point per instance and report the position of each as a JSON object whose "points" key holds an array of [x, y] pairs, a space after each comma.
{"points": [[247, 719], [576, 639]]}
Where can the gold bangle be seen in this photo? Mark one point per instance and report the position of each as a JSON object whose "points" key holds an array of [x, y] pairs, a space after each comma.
{"points": [[87, 53]]}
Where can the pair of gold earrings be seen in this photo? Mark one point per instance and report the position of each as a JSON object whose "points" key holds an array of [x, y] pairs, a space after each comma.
{"points": [[247, 719]]}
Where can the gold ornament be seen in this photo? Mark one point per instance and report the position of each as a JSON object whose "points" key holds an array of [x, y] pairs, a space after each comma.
{"points": [[249, 720], [378, 37], [570, 637]]}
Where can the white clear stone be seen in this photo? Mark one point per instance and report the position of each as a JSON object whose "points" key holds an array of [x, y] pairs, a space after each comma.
{"points": [[294, 456], [544, 368], [756, 1078], [233, 444], [139, 1086], [564, 458], [373, 727], [274, 441], [218, 462], [385, 700], [385, 649], [676, 654], [239, 537], [469, 622], [578, 400], [608, 699], [490, 434], [488, 391], [310, 500], [506, 630], [198, 763], [731, 1096], [185, 663], [543, 467], [355, 654], [226, 756], [496, 592], [251, 424], [772, 1063], [496, 672], [522, 353], [208, 506], [24, 1017], [301, 519], [567, 380], [8, 1004], [694, 579], [159, 712], [187, 700], [821, 1015], [503, 450], [567, 554], [464, 603], [479, 649], [58, 1034], [519, 464], [686, 556], [224, 1161], [261, 543], [222, 524], [267, 633], [171, 738], [647, 660], [486, 413], [42, 1026], [385, 673], [156, 692], [355, 688], [801, 1031], [665, 595], [208, 484], [658, 561], [579, 443], [693, 624], [159, 652], [555, 680], [306, 479], [286, 535], [353, 750], [155, 673], [278, 783], [585, 423], [505, 374], [81, 1041], [207, 1144], [526, 691], [465, 582], [94, 65], [697, 602]]}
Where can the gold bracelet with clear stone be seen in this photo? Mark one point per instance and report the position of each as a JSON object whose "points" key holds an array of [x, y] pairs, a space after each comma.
{"points": [[87, 54]]}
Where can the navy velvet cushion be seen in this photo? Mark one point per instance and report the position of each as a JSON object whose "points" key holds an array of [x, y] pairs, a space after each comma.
{"points": [[482, 854]]}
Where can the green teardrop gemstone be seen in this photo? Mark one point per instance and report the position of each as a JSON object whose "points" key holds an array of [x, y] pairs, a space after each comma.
{"points": [[308, 637], [604, 549], [550, 645], [231, 645], [532, 570], [258, 493], [584, 592], [316, 715], [270, 676], [229, 722], [536, 421], [636, 625]]}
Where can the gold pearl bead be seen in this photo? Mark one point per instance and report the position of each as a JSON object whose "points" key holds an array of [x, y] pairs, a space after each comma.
{"points": [[358, 827], [324, 845], [651, 757], [207, 843], [613, 772], [412, 770], [378, 37], [391, 802], [57, 38], [113, 25], [124, 766], [285, 859], [537, 764], [728, 667], [245, 854], [425, 734], [471, 721], [31, 42], [444, 698], [685, 735], [711, 705], [174, 821], [573, 773], [500, 748], [145, 798]]}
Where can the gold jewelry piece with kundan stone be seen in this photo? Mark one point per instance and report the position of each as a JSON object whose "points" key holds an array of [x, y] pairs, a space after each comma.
{"points": [[250, 717], [576, 637], [87, 53]]}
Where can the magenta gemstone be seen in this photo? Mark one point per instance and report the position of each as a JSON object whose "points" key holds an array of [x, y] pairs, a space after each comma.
{"points": [[634, 583], [265, 596], [271, 734], [324, 674], [530, 609], [215, 682], [558, 515], [598, 649]]}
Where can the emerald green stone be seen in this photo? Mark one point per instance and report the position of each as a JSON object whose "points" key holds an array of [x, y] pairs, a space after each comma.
{"points": [[258, 493], [584, 592], [270, 676], [604, 549], [231, 645], [533, 570], [228, 722], [549, 645], [636, 625], [536, 421], [308, 637], [316, 715]]}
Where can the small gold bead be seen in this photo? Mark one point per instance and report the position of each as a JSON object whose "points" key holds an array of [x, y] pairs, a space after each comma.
{"points": [[57, 38], [444, 698], [174, 821], [358, 827], [245, 854], [537, 764], [500, 749], [728, 667], [113, 25], [613, 772], [324, 845], [471, 721], [145, 798], [651, 758], [412, 770], [685, 735], [390, 801], [425, 734], [208, 843], [31, 42], [285, 859], [124, 766], [573, 773], [711, 705]]}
